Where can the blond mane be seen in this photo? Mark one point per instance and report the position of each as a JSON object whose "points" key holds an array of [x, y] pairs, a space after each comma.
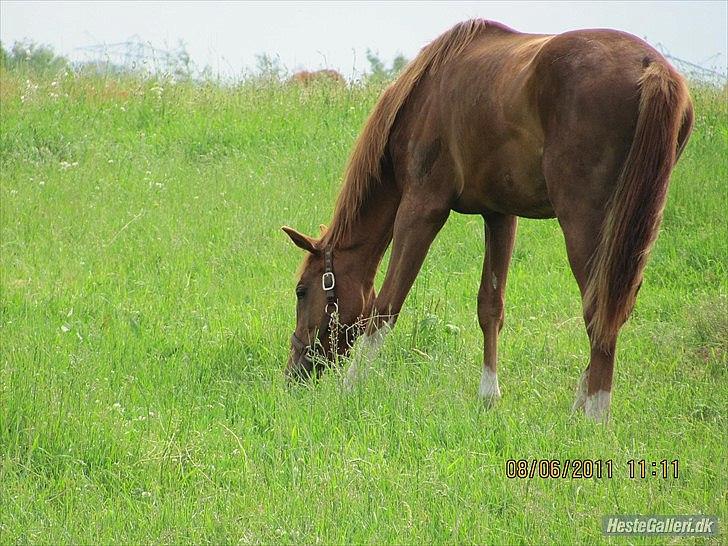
{"points": [[363, 170]]}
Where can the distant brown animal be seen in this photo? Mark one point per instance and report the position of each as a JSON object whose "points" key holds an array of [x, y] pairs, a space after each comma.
{"points": [[584, 126], [305, 77]]}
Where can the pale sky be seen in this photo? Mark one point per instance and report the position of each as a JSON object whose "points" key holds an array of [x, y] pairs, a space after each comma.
{"points": [[311, 35]]}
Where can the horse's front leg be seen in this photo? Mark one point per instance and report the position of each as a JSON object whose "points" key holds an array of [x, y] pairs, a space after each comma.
{"points": [[418, 221], [500, 233]]}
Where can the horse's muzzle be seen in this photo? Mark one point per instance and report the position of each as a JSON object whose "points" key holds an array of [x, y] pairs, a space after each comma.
{"points": [[300, 365]]}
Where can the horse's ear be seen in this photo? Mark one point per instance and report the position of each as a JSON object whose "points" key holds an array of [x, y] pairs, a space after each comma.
{"points": [[323, 229], [300, 240]]}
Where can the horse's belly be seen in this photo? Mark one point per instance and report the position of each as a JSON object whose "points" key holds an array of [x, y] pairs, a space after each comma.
{"points": [[508, 180]]}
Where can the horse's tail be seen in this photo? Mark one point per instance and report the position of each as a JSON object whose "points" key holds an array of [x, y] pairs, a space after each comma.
{"points": [[634, 214]]}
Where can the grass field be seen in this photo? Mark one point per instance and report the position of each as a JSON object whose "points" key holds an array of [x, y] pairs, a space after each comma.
{"points": [[148, 298]]}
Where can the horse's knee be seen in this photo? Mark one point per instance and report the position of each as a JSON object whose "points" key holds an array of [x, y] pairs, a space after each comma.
{"points": [[490, 309]]}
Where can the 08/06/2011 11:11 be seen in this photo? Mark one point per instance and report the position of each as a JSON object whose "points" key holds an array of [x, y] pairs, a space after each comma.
{"points": [[589, 468]]}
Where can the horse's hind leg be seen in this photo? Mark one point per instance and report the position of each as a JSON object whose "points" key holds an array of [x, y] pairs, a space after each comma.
{"points": [[582, 234], [500, 233], [585, 152], [580, 191]]}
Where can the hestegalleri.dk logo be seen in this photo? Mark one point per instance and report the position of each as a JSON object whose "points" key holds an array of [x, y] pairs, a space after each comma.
{"points": [[660, 525]]}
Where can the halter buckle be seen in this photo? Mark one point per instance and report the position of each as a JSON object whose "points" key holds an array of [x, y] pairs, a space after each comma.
{"points": [[328, 281]]}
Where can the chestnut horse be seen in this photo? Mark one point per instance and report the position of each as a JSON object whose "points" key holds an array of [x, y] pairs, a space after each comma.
{"points": [[584, 126], [304, 77]]}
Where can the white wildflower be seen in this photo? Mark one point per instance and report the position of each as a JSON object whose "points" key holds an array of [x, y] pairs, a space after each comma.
{"points": [[66, 165]]}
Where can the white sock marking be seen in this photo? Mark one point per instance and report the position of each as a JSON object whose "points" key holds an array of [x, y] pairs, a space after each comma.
{"points": [[363, 353], [489, 390], [597, 406]]}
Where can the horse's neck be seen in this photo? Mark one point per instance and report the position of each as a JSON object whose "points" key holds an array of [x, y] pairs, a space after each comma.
{"points": [[371, 232]]}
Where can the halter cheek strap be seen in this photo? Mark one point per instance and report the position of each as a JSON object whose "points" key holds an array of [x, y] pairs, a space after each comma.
{"points": [[328, 283]]}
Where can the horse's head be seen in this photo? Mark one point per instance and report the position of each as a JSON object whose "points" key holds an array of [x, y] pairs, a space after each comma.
{"points": [[331, 299]]}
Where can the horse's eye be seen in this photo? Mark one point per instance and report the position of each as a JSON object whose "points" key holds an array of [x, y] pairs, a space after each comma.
{"points": [[300, 291]]}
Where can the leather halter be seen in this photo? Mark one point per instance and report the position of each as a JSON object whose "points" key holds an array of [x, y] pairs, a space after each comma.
{"points": [[328, 283]]}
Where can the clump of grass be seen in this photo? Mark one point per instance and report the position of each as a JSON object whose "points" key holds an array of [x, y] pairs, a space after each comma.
{"points": [[709, 324]]}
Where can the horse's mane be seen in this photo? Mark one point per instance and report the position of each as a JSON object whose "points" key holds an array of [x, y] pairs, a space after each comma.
{"points": [[363, 170]]}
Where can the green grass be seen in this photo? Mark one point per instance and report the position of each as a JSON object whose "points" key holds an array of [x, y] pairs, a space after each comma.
{"points": [[147, 301]]}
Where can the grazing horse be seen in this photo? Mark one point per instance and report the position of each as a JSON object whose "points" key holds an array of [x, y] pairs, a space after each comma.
{"points": [[584, 126], [304, 77]]}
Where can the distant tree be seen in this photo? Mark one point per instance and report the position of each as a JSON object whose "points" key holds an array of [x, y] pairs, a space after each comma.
{"points": [[178, 63], [398, 64], [378, 70], [4, 57], [33, 57], [269, 67], [184, 66]]}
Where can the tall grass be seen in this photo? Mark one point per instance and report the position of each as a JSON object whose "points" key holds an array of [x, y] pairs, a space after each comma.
{"points": [[147, 299]]}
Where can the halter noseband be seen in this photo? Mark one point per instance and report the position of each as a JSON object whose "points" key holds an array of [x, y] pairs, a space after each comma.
{"points": [[328, 283]]}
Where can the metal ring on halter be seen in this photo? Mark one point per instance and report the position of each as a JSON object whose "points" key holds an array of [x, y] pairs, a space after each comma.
{"points": [[336, 308]]}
